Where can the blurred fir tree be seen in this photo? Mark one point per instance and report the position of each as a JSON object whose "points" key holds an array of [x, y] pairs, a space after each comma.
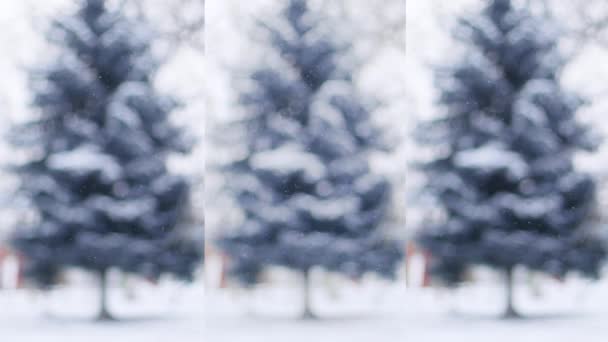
{"points": [[100, 140], [304, 183], [505, 176]]}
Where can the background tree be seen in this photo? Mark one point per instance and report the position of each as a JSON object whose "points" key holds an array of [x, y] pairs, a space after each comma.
{"points": [[504, 177], [98, 176], [585, 22], [178, 22], [303, 179], [380, 24]]}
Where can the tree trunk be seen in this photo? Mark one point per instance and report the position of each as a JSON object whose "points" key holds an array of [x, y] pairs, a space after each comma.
{"points": [[104, 314], [307, 314], [510, 312]]}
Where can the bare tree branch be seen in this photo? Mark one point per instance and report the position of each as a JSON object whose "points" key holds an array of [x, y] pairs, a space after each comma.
{"points": [[179, 22]]}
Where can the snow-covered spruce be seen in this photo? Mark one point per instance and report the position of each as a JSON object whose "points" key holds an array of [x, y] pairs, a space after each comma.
{"points": [[304, 184], [98, 179], [510, 192]]}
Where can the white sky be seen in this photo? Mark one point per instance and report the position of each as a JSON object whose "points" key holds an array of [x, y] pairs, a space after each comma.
{"points": [[428, 43], [22, 27], [229, 46], [426, 38]]}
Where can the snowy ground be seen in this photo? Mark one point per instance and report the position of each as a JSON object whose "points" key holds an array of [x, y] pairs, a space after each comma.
{"points": [[66, 316], [562, 313]]}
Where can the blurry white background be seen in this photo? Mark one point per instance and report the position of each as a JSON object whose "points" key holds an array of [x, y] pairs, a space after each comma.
{"points": [[180, 45]]}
